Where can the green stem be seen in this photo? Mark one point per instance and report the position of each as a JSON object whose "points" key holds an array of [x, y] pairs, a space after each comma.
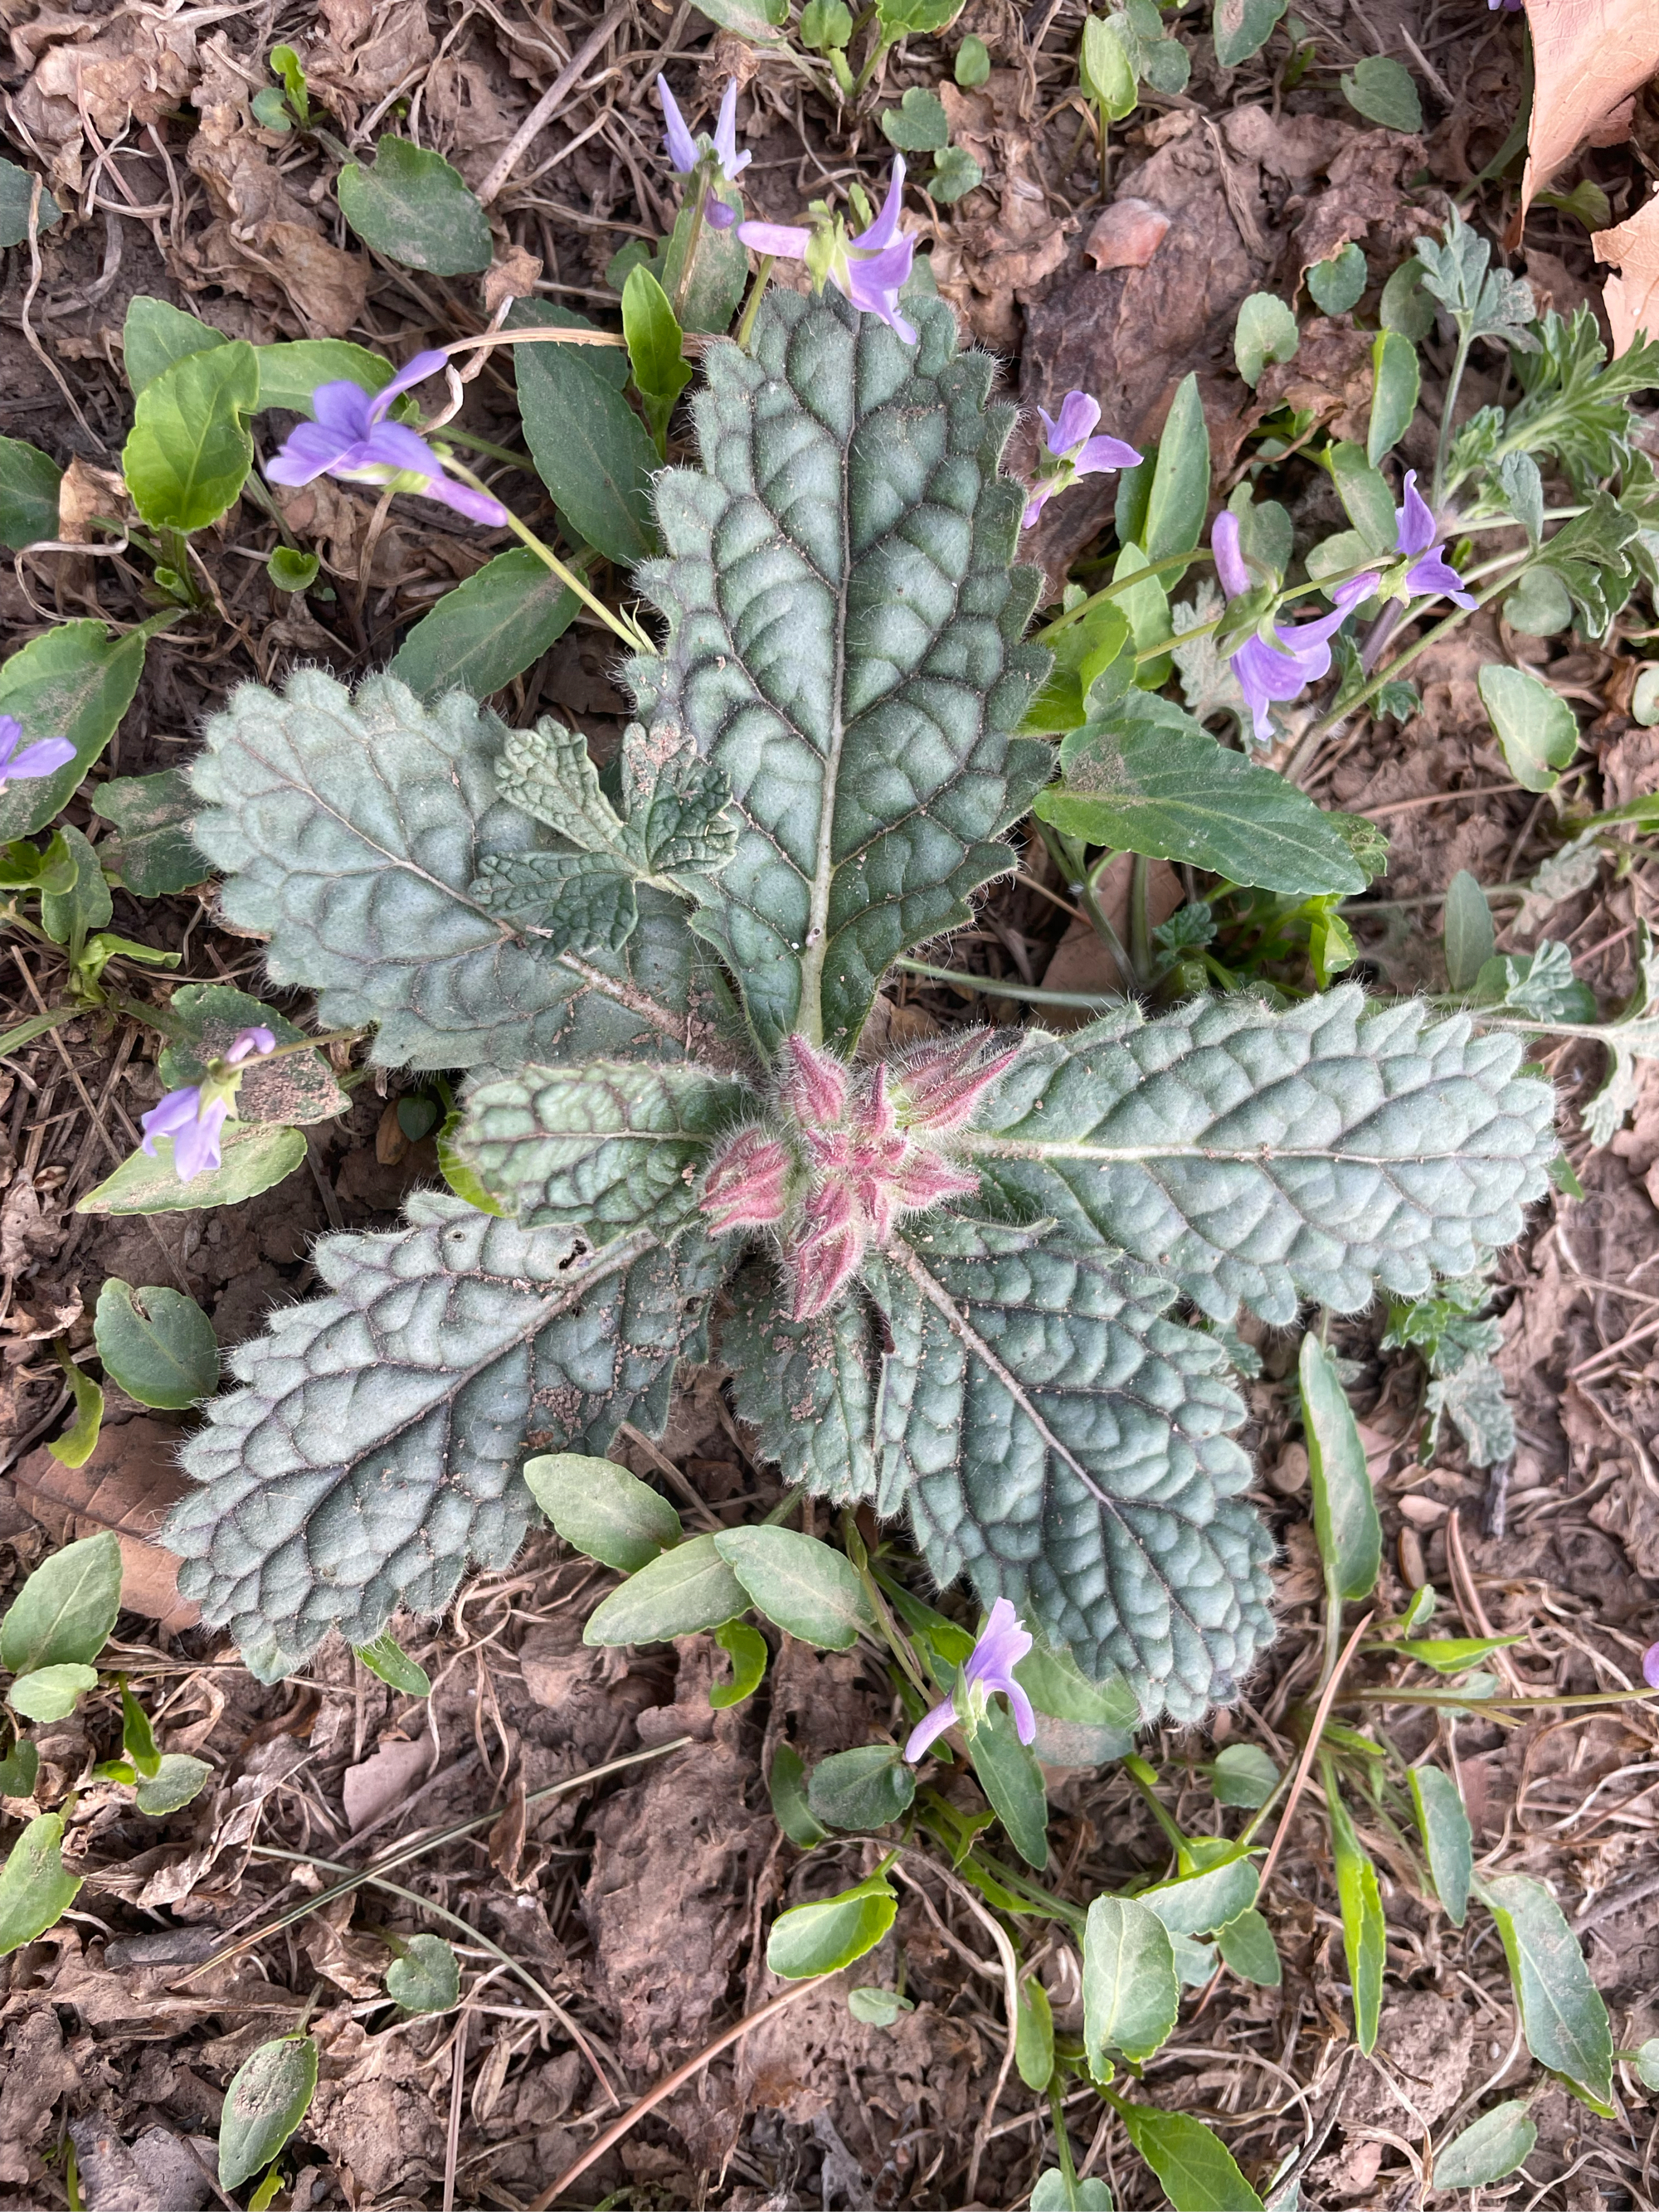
{"points": [[1443, 445], [1062, 2140], [763, 275], [877, 55], [482, 446], [700, 183], [627, 630], [1140, 931], [1026, 992], [1123, 584], [1142, 1776]]}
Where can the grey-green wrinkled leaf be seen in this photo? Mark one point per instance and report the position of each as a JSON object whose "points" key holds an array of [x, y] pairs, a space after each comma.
{"points": [[1345, 1506], [1266, 332], [157, 1343], [205, 1020], [675, 820], [1247, 1944], [1494, 2145], [856, 667], [1131, 1997], [1272, 1156], [487, 630], [1242, 27], [1066, 1447], [567, 902], [803, 1586], [254, 1157], [153, 852], [1381, 90], [1561, 2008], [66, 1609], [819, 1939], [425, 1975], [677, 1593], [1194, 1904], [865, 1788], [414, 209], [1242, 1774], [17, 200], [610, 1147], [603, 1510], [1448, 1839], [375, 1451], [1198, 2172], [590, 448], [1467, 928], [175, 1783], [74, 681], [51, 1693], [808, 1388], [268, 2095], [1536, 727], [35, 1893], [1012, 1781], [365, 901], [29, 494]]}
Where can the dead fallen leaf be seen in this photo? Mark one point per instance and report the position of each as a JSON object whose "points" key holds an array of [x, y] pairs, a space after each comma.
{"points": [[265, 242], [386, 1775], [469, 122], [29, 1233], [138, 69], [1126, 234], [1632, 295], [1330, 378], [127, 1485], [1083, 961], [35, 2072], [368, 51], [1366, 188], [512, 277], [1588, 56]]}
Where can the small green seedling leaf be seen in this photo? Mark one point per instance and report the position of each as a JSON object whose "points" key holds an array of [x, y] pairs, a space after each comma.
{"points": [[1452, 1654], [65, 1610], [1381, 90], [1241, 27], [1498, 2142], [805, 1587], [604, 1510], [1131, 1996], [270, 109], [1034, 2035], [29, 494], [179, 1779], [1363, 1934], [415, 209], [878, 2007], [268, 2095], [745, 1647], [973, 63], [1104, 69], [1467, 928], [1536, 727], [1335, 285], [157, 1343], [1541, 606], [79, 1440], [285, 64], [425, 1975], [1054, 2193], [1247, 1944], [35, 1891], [386, 1658], [1646, 2060], [1395, 380], [51, 1693], [1448, 1839], [138, 1737], [867, 1787], [1345, 1506], [956, 174], [292, 571], [1197, 2171], [918, 125], [678, 1593], [1265, 331], [1242, 1774], [1562, 2011], [820, 1939], [786, 1786], [655, 349]]}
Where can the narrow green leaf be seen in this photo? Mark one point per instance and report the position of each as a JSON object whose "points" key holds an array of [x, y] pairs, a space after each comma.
{"points": [[1561, 2008], [73, 682], [1467, 928], [425, 1975], [1344, 1507], [29, 494], [1131, 1997], [155, 334], [268, 2098], [1448, 1839], [1177, 503], [590, 448], [1265, 331], [138, 1737], [415, 209], [786, 1786], [746, 1648], [68, 916], [51, 1693], [820, 1939], [179, 1779], [804, 1586], [254, 1157], [386, 1659], [1536, 727], [1396, 378], [1104, 69], [157, 1343], [681, 1591], [655, 348], [188, 452], [1363, 494], [1247, 1944], [1034, 2035], [1452, 1655], [867, 1787], [1011, 1779], [488, 629], [35, 1893], [1498, 2142], [66, 1609], [1199, 2173], [603, 1510], [1364, 1936]]}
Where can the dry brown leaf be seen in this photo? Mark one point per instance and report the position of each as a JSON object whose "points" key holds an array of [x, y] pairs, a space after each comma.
{"points": [[512, 277], [369, 52], [1632, 296], [471, 124], [1589, 56], [386, 1775], [1366, 188], [139, 70], [127, 1485], [1126, 234]]}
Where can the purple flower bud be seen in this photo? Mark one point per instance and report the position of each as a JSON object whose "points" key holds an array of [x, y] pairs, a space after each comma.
{"points": [[42, 759], [677, 141], [1300, 655], [1650, 1665], [681, 147], [1002, 1645], [351, 439]]}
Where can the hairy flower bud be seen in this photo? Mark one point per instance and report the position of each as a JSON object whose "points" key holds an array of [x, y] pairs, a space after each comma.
{"points": [[747, 1185]]}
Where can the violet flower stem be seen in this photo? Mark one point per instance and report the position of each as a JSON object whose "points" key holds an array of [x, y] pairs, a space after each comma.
{"points": [[877, 55], [1442, 445], [698, 187], [1123, 584], [745, 330], [629, 631]]}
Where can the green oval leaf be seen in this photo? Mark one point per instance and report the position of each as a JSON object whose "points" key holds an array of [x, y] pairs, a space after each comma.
{"points": [[1381, 89], [77, 1443], [1265, 331], [786, 1786], [1241, 27], [291, 571], [678, 1593], [1052, 2191], [1536, 727], [17, 199], [1344, 1507], [1195, 1903], [865, 1788], [35, 1893], [156, 334], [1242, 1774], [416, 211], [20, 1767], [65, 1610], [655, 347], [1467, 928], [179, 1779], [605, 1510], [267, 2100], [1131, 1996], [1198, 2172], [29, 494], [745, 1647], [254, 1157], [1011, 1777], [205, 1019], [806, 1588], [1396, 378], [1247, 1944], [50, 1693], [1494, 2145], [73, 682], [386, 1658], [819, 1939], [488, 629], [188, 452], [1034, 2035], [878, 2007], [425, 1975], [153, 852], [590, 448], [1335, 285], [1562, 2011], [157, 1343]]}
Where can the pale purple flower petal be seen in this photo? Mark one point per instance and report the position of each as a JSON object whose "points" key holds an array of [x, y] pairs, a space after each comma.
{"points": [[395, 445], [716, 213], [875, 281], [677, 141], [1301, 655], [1414, 534], [929, 1729], [1414, 519], [1078, 414], [885, 229], [1230, 566], [310, 450], [1040, 497], [416, 372], [732, 164], [1002, 1645], [1435, 574], [784, 241], [343, 406], [477, 506], [257, 1040], [44, 758], [1099, 454], [197, 1145], [1650, 1665]]}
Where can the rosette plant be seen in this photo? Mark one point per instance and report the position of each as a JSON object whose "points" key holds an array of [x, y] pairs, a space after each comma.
{"points": [[981, 1285]]}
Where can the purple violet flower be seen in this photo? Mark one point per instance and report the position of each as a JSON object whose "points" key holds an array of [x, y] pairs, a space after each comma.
{"points": [[194, 1116], [1299, 655], [351, 439], [1514, 6], [1073, 451], [1414, 537], [1650, 1665], [42, 759], [1002, 1645], [681, 149], [871, 269]]}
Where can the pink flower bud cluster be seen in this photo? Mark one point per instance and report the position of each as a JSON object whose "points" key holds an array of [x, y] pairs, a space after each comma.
{"points": [[849, 1152]]}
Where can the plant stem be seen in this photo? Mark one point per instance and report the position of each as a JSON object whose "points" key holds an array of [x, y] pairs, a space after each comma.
{"points": [[1141, 933], [1099, 1001], [625, 628], [700, 186], [1123, 584], [877, 55], [1460, 361], [745, 329]]}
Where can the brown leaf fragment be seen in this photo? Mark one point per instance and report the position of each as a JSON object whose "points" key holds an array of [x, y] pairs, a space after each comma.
{"points": [[1126, 234], [386, 1776], [1633, 294], [135, 70], [1588, 56], [513, 276], [1366, 188], [505, 1840], [128, 1484], [35, 2071]]}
